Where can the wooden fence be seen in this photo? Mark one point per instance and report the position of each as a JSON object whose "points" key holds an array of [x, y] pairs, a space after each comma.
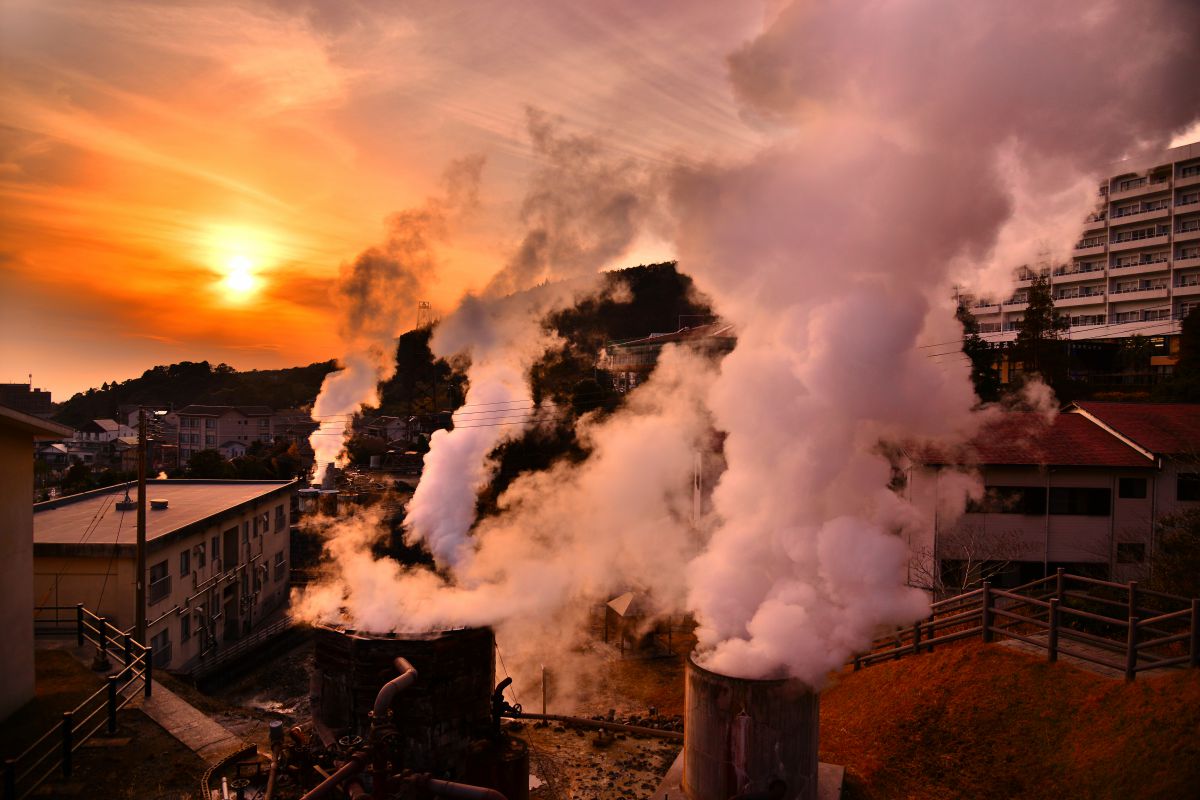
{"points": [[53, 750], [1117, 625]]}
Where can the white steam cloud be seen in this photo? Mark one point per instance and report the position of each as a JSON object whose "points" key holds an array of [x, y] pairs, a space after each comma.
{"points": [[921, 142], [376, 294]]}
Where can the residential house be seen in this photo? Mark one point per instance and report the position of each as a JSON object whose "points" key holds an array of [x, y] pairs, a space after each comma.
{"points": [[204, 427], [630, 362]]}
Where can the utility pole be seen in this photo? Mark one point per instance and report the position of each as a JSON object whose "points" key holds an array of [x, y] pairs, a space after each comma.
{"points": [[140, 600]]}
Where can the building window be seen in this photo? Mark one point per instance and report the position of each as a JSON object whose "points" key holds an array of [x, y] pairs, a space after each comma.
{"points": [[185, 627], [160, 582], [200, 556], [216, 552], [185, 564], [1081, 502], [162, 647], [266, 522], [1131, 552], [280, 518], [1131, 488], [1187, 486], [245, 531], [279, 570], [1010, 500]]}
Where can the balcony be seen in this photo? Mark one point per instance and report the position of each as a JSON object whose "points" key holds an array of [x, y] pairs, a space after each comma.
{"points": [[1079, 300], [1089, 248], [1144, 187], [1140, 216], [1130, 244], [1138, 293], [1184, 263], [1141, 267], [1188, 230], [1069, 276], [1095, 222], [1187, 286], [1189, 180]]}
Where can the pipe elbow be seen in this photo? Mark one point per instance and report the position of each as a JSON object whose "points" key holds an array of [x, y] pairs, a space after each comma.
{"points": [[387, 694]]}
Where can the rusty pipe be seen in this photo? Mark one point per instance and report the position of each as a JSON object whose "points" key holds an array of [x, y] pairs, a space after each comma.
{"points": [[584, 722], [460, 791], [387, 694], [352, 767]]}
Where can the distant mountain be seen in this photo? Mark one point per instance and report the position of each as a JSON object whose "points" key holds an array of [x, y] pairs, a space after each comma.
{"points": [[177, 385]]}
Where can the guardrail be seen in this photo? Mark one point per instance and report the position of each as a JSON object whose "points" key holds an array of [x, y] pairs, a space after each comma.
{"points": [[242, 646], [53, 750], [1062, 614]]}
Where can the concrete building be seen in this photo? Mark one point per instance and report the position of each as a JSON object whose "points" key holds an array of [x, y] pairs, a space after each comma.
{"points": [[1083, 492], [226, 428], [217, 559], [1136, 266], [27, 399], [17, 433]]}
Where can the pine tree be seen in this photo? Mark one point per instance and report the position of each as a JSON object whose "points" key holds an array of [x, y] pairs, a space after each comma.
{"points": [[1037, 346]]}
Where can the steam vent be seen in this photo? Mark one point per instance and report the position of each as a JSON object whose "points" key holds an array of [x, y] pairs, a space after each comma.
{"points": [[436, 718], [743, 734]]}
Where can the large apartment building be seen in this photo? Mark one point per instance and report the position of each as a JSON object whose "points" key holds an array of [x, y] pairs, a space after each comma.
{"points": [[1136, 266]]}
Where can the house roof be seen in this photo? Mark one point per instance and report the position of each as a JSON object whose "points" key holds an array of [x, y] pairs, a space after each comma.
{"points": [[35, 427], [105, 425], [715, 330], [1027, 439], [218, 411], [92, 520], [1161, 428]]}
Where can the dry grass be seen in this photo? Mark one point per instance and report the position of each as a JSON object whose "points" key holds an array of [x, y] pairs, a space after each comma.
{"points": [[979, 720]]}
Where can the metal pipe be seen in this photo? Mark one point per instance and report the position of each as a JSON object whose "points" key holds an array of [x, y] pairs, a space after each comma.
{"points": [[387, 694], [352, 767], [440, 788]]}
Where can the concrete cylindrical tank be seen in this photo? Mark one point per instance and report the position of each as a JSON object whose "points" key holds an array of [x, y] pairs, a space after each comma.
{"points": [[740, 735]]}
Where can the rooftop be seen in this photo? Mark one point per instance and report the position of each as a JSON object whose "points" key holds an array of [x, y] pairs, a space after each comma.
{"points": [[1027, 439], [93, 518], [1161, 428], [216, 411]]}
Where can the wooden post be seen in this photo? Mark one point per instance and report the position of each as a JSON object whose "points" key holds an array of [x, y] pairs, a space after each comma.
{"points": [[857, 662], [1052, 639], [543, 689], [113, 680], [1133, 599], [104, 639], [67, 745], [916, 645], [79, 624], [1058, 583], [932, 635], [1194, 643], [128, 643], [148, 668], [1131, 650], [985, 614]]}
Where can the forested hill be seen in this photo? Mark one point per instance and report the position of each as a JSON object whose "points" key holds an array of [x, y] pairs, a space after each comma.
{"points": [[187, 382]]}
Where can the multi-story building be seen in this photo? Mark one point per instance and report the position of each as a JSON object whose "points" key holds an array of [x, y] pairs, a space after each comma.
{"points": [[230, 429], [217, 556], [1084, 492], [628, 363], [27, 399], [1136, 266]]}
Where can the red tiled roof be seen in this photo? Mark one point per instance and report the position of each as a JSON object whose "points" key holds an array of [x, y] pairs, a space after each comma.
{"points": [[1026, 439], [1162, 428]]}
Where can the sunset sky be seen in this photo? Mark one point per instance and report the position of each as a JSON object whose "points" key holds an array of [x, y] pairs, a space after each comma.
{"points": [[182, 181]]}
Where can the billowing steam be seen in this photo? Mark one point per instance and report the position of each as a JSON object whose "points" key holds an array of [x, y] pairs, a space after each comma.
{"points": [[917, 140], [377, 294], [581, 212]]}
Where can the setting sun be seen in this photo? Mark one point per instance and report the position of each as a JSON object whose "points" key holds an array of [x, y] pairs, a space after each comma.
{"points": [[240, 279]]}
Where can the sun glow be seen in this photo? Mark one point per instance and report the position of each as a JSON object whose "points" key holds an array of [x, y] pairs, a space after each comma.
{"points": [[240, 255], [240, 280]]}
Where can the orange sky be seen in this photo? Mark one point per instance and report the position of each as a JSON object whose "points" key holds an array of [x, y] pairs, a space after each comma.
{"points": [[148, 150]]}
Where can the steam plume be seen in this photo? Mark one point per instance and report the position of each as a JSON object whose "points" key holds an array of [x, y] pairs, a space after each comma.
{"points": [[920, 142], [376, 293]]}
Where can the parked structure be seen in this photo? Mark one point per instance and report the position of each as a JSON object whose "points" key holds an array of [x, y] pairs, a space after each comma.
{"points": [[1083, 492], [217, 559], [17, 431], [1136, 266]]}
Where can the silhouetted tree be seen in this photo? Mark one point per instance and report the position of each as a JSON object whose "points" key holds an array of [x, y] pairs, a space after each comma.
{"points": [[981, 353], [209, 464], [1037, 346]]}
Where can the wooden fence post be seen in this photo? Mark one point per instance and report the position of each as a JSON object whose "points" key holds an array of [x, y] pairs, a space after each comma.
{"points": [[1131, 650], [916, 645], [986, 612], [1133, 599], [932, 635], [1058, 583], [148, 668], [79, 624], [857, 662], [1052, 638], [128, 643], [68, 722], [1194, 643]]}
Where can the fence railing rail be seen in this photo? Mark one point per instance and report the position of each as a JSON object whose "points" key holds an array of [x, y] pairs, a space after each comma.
{"points": [[52, 751], [1076, 615]]}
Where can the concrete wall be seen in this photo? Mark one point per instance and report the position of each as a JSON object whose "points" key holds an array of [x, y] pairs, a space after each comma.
{"points": [[16, 570]]}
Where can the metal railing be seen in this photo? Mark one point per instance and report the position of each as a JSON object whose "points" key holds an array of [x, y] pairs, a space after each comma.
{"points": [[242, 646], [53, 750], [1121, 626]]}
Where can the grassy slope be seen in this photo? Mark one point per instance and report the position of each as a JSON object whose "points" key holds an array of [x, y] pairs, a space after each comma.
{"points": [[978, 720]]}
